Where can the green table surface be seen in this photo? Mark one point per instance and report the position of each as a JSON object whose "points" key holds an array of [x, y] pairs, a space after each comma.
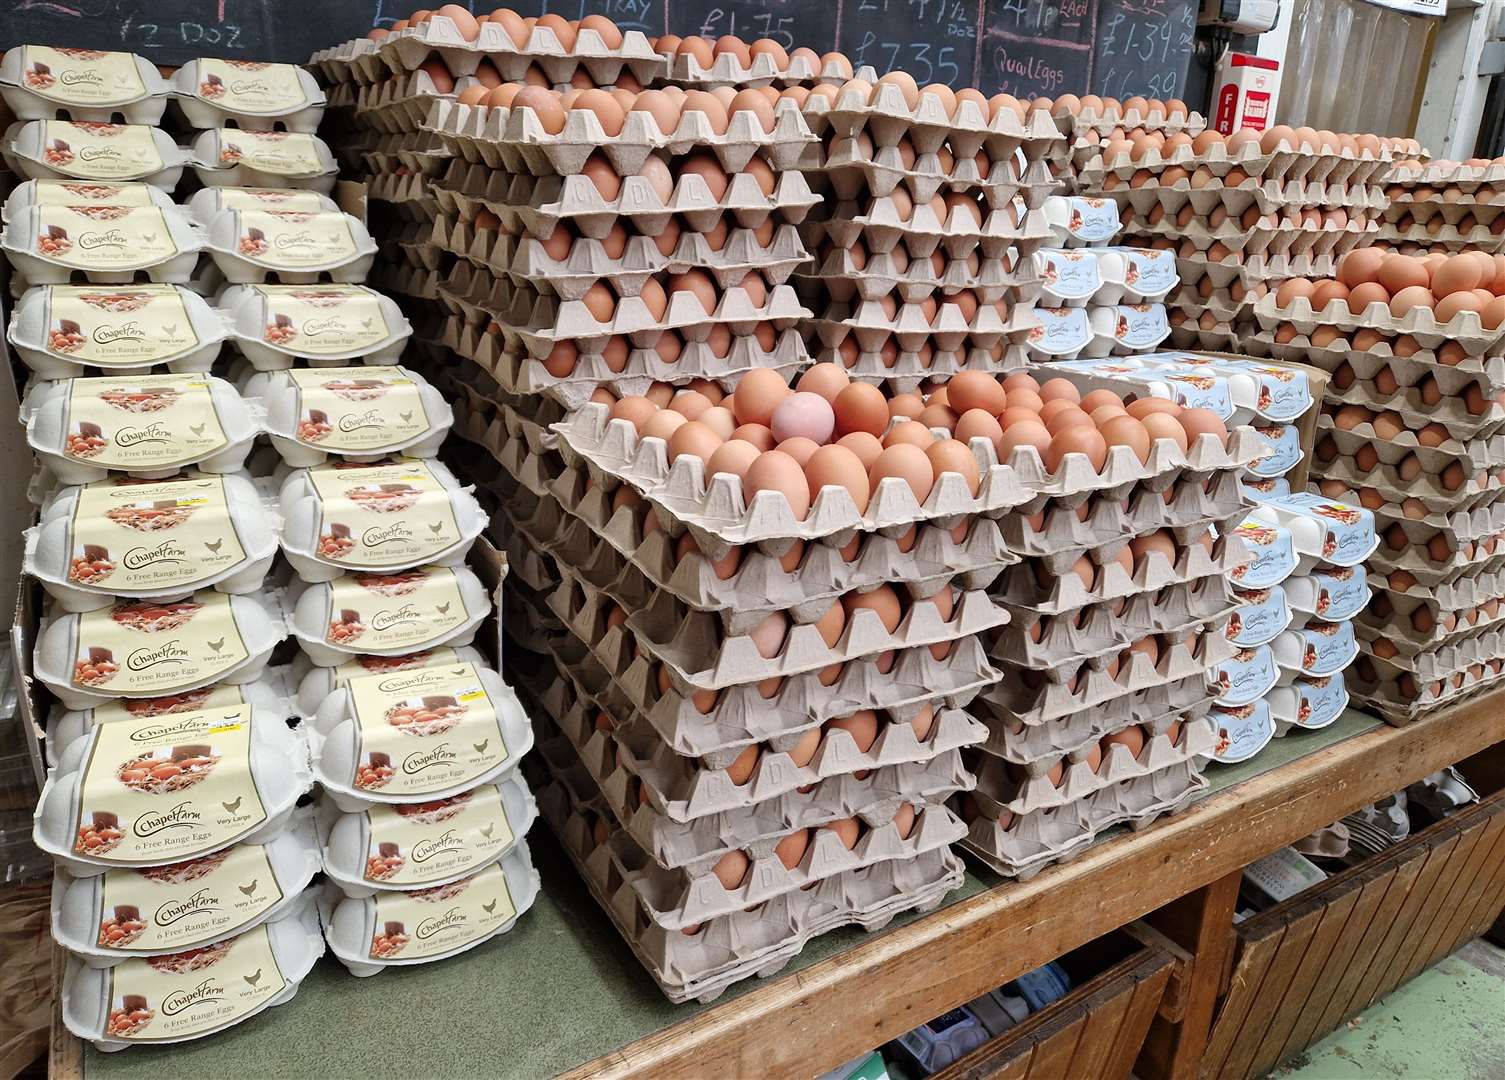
{"points": [[557, 991]]}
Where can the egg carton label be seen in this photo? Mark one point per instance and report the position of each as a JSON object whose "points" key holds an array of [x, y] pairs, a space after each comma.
{"points": [[1326, 647], [1347, 531], [83, 193], [1140, 326], [415, 843], [281, 153], [357, 410], [1319, 700], [103, 237], [432, 922], [1061, 331], [308, 202], [1284, 441], [158, 790], [321, 320], [382, 516], [152, 537], [1071, 275], [423, 731], [100, 151], [142, 422], [127, 325], [223, 696], [1242, 731], [393, 611], [1193, 389], [1272, 556], [288, 239], [1262, 615], [1148, 270], [378, 665], [81, 76], [158, 908], [156, 998], [1341, 591], [1094, 221], [1245, 675], [247, 86], [151, 648]]}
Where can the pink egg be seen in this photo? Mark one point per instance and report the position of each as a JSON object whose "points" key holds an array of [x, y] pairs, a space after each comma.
{"points": [[803, 415]]}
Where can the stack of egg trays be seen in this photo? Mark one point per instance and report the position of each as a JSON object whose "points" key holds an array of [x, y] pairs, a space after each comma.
{"points": [[625, 694], [1294, 631], [1224, 265], [1095, 300], [891, 313], [1436, 561], [1443, 206], [518, 312], [1043, 790], [1084, 130]]}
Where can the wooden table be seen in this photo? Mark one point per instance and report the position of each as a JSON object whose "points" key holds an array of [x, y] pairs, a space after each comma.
{"points": [[561, 994]]}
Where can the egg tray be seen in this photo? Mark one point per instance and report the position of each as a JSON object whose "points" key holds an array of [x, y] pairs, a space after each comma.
{"points": [[700, 967], [22, 238], [1432, 661], [23, 152], [949, 331], [1046, 744], [843, 280], [1450, 411], [1480, 238], [1098, 633], [1285, 163], [886, 117], [1036, 841], [400, 104], [911, 368], [881, 228], [1429, 573], [406, 191], [1475, 455], [1219, 303], [850, 173], [1286, 240], [1485, 371], [1268, 195], [408, 49], [1456, 598], [412, 152], [1251, 270], [1074, 123], [1398, 708], [1464, 328], [1463, 525], [1451, 173], [532, 471], [537, 205], [1402, 206], [726, 70], [1427, 488], [514, 140]]}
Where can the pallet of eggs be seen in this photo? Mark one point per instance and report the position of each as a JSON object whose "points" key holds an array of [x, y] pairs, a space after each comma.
{"points": [[1241, 213], [1409, 433], [768, 634], [1116, 609], [1446, 206], [1088, 121], [923, 245]]}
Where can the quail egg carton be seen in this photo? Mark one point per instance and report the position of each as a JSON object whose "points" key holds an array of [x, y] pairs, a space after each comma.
{"points": [[701, 966], [1268, 196], [1400, 701], [1474, 455], [850, 170], [1021, 847], [219, 159], [514, 140], [407, 49], [886, 117], [1286, 163], [993, 279], [1101, 631], [43, 150], [41, 252], [333, 245], [1177, 681], [203, 111], [880, 226], [22, 87], [1451, 237], [51, 351], [1434, 495], [1420, 323], [1391, 655], [1435, 617]]}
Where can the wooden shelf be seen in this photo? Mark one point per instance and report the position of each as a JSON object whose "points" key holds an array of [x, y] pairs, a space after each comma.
{"points": [[561, 993]]}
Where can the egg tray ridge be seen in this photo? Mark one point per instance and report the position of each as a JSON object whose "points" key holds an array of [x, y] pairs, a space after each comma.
{"points": [[1426, 487], [1403, 205], [1427, 663], [1474, 455], [886, 117], [1268, 195], [1398, 710], [1464, 328], [1076, 734], [881, 229], [842, 279], [1448, 239], [840, 161], [1285, 163]]}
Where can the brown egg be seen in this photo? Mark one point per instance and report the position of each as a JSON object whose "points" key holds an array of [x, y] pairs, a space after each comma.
{"points": [[664, 109], [1162, 425], [1085, 440], [1126, 431], [977, 423], [860, 407], [1412, 296], [1398, 272], [1199, 422], [791, 849], [757, 395], [864, 444], [801, 449], [848, 830], [1025, 433], [953, 456], [731, 869], [908, 463], [1455, 303], [751, 101], [1139, 408], [1458, 274], [1059, 389], [695, 439], [562, 29], [841, 467], [827, 380], [976, 390], [776, 471], [1132, 738]]}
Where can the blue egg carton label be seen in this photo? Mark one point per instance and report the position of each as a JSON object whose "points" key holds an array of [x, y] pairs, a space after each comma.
{"points": [[1092, 220], [1325, 647], [1348, 536], [1259, 618], [1341, 592], [1246, 676], [1149, 270], [1319, 701], [1265, 487], [1140, 326], [1243, 731], [1062, 331], [1284, 442], [1069, 275], [1272, 556]]}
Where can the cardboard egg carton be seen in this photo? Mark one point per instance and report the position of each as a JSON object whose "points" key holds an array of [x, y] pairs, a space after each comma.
{"points": [[1400, 701], [1450, 410], [1178, 681], [26, 103], [949, 331], [1438, 660], [911, 368], [850, 172], [406, 49], [879, 276], [1447, 625], [1103, 277], [337, 63], [1464, 328], [1028, 844], [1067, 333], [513, 138], [1101, 630], [1269, 195], [886, 118], [1428, 488], [400, 104], [1307, 704], [881, 228], [701, 966], [1474, 454], [727, 70], [1286, 163], [1047, 744], [1480, 237], [48, 246], [44, 150], [1422, 209]]}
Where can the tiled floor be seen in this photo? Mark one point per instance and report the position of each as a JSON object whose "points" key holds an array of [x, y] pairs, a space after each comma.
{"points": [[1446, 1024]]}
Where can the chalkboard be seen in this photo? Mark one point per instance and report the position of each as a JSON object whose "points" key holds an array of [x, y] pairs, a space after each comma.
{"points": [[1026, 48]]}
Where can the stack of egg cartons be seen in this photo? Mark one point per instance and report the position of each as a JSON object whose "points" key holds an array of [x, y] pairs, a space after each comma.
{"points": [[1089, 121], [1445, 206], [1241, 213], [1411, 433], [923, 247], [1117, 609], [182, 862]]}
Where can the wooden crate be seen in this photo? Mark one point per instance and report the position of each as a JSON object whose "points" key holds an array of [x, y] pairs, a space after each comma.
{"points": [[1094, 1032], [1304, 966]]}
